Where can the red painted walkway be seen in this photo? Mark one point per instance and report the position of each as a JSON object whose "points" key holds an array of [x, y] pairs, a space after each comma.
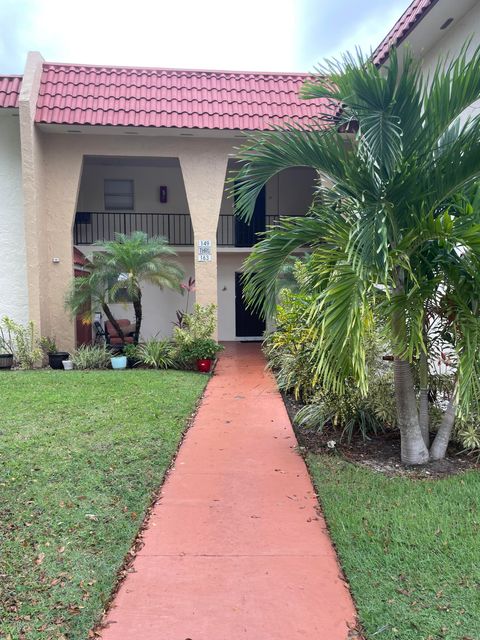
{"points": [[235, 548]]}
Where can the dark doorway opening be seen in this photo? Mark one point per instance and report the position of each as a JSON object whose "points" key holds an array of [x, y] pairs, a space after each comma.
{"points": [[248, 324]]}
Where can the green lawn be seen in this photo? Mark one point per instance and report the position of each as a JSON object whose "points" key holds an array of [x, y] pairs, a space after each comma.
{"points": [[80, 455], [410, 549]]}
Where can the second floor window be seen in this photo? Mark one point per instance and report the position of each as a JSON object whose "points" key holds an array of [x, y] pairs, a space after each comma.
{"points": [[118, 195]]}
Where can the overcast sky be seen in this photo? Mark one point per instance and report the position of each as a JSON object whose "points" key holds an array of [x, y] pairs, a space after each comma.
{"points": [[274, 35]]}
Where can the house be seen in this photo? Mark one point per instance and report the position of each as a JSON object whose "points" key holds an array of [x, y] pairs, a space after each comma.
{"points": [[89, 151], [432, 30]]}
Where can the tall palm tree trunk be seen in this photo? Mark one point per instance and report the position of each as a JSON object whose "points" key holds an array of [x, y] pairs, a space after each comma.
{"points": [[108, 313], [413, 448], [137, 306], [423, 412], [441, 440]]}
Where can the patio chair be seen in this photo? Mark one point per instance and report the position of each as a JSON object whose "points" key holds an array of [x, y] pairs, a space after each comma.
{"points": [[112, 338], [100, 335]]}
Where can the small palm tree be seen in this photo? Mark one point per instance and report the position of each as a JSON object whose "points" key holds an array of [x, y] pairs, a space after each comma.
{"points": [[388, 236], [122, 266]]}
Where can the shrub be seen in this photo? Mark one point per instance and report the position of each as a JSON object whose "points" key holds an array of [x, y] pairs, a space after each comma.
{"points": [[158, 354], [200, 324], [289, 348], [199, 349], [21, 341], [91, 357], [468, 433], [289, 353], [48, 345], [132, 352], [350, 411], [6, 337], [196, 326]]}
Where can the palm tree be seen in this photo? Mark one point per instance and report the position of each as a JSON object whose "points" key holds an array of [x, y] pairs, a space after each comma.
{"points": [[387, 235], [121, 267], [89, 292]]}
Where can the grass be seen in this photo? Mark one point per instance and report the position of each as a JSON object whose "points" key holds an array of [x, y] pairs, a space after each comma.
{"points": [[80, 455], [409, 548]]}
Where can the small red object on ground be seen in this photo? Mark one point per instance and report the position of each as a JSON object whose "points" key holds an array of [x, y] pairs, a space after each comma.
{"points": [[204, 365]]}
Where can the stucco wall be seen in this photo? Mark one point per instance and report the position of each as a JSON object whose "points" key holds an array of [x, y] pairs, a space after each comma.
{"points": [[290, 192], [147, 181], [13, 272]]}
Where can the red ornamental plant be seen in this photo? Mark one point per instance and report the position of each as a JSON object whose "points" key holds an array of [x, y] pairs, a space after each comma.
{"points": [[188, 287]]}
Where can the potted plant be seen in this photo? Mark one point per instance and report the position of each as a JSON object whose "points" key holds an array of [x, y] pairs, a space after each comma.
{"points": [[131, 352], [55, 357], [6, 360], [118, 360], [204, 351], [6, 347]]}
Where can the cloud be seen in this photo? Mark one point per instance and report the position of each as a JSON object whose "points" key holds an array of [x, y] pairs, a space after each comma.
{"points": [[253, 34], [276, 35], [15, 21], [329, 28]]}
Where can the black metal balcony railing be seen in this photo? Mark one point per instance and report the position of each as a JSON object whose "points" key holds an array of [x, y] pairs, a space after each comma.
{"points": [[99, 227], [93, 227]]}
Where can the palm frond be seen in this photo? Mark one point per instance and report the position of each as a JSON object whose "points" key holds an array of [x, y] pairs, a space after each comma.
{"points": [[264, 264]]}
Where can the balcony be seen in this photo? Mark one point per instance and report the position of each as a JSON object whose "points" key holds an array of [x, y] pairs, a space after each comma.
{"points": [[91, 227]]}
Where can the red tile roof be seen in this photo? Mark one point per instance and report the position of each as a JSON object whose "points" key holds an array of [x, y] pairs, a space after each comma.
{"points": [[415, 12], [9, 91], [79, 258], [191, 99]]}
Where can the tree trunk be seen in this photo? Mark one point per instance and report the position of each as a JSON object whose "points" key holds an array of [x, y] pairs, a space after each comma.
{"points": [[413, 449], [137, 306], [108, 313], [441, 440], [423, 401]]}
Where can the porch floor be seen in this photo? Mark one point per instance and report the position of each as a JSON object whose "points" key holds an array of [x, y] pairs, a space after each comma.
{"points": [[235, 547]]}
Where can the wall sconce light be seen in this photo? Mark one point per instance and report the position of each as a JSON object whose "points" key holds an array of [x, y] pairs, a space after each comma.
{"points": [[55, 260], [163, 194]]}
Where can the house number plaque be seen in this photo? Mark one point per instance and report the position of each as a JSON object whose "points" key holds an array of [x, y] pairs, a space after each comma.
{"points": [[204, 250]]}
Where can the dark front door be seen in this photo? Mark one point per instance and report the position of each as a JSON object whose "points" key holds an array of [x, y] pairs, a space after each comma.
{"points": [[247, 323], [245, 232]]}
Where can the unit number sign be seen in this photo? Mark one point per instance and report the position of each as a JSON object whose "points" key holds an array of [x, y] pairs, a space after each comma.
{"points": [[204, 250]]}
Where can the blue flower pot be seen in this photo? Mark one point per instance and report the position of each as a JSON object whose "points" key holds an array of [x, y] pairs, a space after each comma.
{"points": [[119, 362]]}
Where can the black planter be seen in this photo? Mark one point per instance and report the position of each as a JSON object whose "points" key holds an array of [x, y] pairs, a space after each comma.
{"points": [[132, 362], [55, 359], [6, 360]]}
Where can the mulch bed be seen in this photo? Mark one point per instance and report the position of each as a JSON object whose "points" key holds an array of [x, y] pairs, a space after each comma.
{"points": [[380, 453]]}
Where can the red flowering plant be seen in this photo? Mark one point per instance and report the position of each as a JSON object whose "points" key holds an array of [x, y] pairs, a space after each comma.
{"points": [[188, 288]]}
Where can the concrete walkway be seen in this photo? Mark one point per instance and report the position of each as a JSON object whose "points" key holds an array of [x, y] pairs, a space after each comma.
{"points": [[235, 548]]}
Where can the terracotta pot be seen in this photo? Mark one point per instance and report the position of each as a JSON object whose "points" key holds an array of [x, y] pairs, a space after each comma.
{"points": [[204, 365]]}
